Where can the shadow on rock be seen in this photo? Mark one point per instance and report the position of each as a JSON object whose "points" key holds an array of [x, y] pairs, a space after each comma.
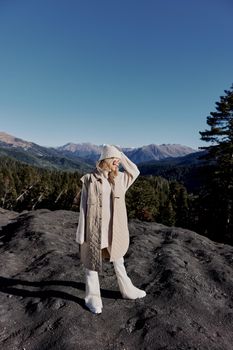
{"points": [[6, 286]]}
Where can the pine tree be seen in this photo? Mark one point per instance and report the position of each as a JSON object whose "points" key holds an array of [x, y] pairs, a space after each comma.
{"points": [[219, 190]]}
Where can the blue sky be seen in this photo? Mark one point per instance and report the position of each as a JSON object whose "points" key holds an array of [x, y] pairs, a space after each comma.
{"points": [[125, 72]]}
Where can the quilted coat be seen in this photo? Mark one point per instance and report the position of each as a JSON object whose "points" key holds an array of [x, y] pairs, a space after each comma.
{"points": [[88, 233]]}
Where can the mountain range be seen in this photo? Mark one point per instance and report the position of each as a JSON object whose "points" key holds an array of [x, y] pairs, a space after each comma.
{"points": [[82, 156], [36, 155], [136, 154]]}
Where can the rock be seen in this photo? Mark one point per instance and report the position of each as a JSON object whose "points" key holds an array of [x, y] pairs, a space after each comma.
{"points": [[188, 279]]}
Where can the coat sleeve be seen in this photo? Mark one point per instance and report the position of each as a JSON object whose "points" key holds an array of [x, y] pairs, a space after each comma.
{"points": [[131, 171], [80, 233]]}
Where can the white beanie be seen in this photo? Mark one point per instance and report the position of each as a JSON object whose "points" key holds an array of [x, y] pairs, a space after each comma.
{"points": [[110, 151]]}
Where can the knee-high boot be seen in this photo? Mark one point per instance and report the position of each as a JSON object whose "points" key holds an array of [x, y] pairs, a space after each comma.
{"points": [[93, 298], [127, 289]]}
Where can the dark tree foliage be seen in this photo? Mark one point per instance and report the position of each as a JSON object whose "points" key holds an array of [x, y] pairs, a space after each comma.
{"points": [[151, 198], [25, 187], [156, 199], [215, 200]]}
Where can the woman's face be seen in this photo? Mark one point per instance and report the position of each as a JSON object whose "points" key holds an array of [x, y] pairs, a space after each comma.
{"points": [[114, 165], [111, 165]]}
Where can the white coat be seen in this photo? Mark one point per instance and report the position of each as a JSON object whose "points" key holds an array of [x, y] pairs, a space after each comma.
{"points": [[88, 233]]}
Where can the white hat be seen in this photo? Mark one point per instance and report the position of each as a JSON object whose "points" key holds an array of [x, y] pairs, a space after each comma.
{"points": [[110, 151]]}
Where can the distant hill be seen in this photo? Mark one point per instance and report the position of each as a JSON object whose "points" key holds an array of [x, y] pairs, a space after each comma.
{"points": [[158, 152], [190, 169], [84, 150], [45, 157], [189, 159]]}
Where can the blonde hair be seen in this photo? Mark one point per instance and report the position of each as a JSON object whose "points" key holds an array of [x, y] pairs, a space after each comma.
{"points": [[104, 164]]}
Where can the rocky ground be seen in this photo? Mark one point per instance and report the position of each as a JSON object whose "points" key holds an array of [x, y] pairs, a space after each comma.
{"points": [[188, 279]]}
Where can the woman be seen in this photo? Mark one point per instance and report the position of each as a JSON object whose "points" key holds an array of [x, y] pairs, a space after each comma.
{"points": [[103, 226]]}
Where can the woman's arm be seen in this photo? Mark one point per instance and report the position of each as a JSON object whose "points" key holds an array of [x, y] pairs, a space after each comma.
{"points": [[80, 233], [131, 171]]}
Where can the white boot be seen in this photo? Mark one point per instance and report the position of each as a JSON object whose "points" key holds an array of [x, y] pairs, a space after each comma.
{"points": [[127, 289], [93, 298]]}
